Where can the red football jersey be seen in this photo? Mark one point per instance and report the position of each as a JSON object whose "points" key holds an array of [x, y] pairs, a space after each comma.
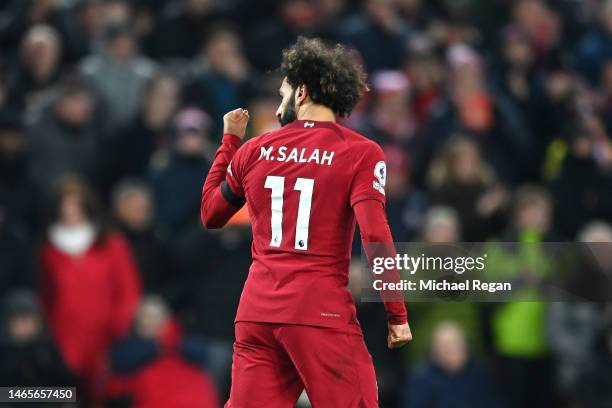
{"points": [[300, 183]]}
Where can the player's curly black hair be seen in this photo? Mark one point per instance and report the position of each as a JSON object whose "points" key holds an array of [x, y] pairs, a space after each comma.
{"points": [[332, 76]]}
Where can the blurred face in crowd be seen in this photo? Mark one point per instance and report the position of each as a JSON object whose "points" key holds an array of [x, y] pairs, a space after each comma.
{"points": [[41, 52], [440, 227], [191, 143], [91, 17], [23, 328], [465, 163], [383, 12], [162, 101], [71, 211], [134, 208], [518, 51], [534, 214], [11, 143], [300, 14], [75, 108], [223, 52], [122, 48], [449, 348], [425, 72], [117, 11], [151, 318], [598, 232], [287, 111], [582, 146]]}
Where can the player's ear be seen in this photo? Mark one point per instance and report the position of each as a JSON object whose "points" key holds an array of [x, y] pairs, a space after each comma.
{"points": [[301, 94]]}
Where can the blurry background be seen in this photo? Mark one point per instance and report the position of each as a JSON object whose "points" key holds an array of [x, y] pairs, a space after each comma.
{"points": [[495, 117]]}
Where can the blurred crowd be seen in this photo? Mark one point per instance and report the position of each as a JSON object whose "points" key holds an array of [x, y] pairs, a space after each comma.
{"points": [[496, 121]]}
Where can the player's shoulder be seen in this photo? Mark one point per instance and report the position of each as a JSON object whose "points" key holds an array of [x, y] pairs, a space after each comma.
{"points": [[253, 143], [359, 142]]}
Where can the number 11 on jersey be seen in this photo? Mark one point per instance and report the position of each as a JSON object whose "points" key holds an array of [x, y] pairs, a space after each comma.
{"points": [[305, 187]]}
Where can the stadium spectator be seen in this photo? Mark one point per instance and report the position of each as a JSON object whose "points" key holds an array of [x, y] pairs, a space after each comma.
{"points": [[451, 377], [378, 33], [221, 77], [65, 138], [461, 179], [177, 176], [156, 366], [573, 327], [29, 356], [90, 285], [39, 64], [519, 328], [392, 117], [441, 225], [133, 209], [119, 73], [131, 148], [583, 187]]}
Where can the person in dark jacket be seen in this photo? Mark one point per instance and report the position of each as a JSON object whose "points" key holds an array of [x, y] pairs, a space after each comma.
{"points": [[18, 194], [158, 354], [451, 378], [65, 138], [130, 149], [134, 213], [29, 356], [176, 177]]}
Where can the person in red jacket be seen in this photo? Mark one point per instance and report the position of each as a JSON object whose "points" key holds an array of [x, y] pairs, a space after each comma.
{"points": [[157, 367], [90, 285]]}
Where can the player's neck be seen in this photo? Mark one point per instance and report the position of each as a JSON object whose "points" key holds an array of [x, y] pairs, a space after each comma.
{"points": [[316, 113]]}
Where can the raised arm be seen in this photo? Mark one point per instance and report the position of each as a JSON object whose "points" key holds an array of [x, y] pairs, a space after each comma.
{"points": [[377, 241], [219, 202]]}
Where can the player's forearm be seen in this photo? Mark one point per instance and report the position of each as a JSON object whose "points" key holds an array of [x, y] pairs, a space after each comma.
{"points": [[378, 242], [215, 210]]}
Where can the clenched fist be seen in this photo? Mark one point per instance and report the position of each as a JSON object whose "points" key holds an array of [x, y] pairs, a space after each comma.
{"points": [[235, 122], [399, 334]]}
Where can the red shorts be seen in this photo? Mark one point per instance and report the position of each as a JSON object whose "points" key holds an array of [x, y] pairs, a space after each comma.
{"points": [[274, 363]]}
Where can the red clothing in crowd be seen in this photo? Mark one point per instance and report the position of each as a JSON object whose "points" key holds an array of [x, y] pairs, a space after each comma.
{"points": [[89, 300], [167, 381]]}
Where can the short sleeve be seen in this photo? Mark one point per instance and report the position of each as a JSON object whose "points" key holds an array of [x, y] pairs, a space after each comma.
{"points": [[370, 175]]}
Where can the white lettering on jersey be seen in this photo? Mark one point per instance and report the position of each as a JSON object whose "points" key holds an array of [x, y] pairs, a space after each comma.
{"points": [[296, 155], [380, 173], [308, 124], [266, 153]]}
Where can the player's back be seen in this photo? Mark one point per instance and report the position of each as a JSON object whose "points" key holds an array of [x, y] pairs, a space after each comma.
{"points": [[300, 183]]}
